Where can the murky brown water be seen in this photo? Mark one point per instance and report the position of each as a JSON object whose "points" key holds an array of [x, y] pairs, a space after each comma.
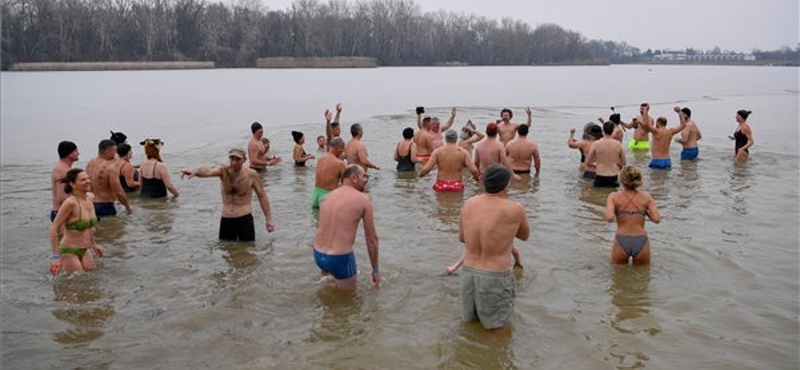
{"points": [[721, 292]]}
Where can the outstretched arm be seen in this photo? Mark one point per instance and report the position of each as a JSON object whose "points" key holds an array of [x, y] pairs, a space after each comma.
{"points": [[203, 172]]}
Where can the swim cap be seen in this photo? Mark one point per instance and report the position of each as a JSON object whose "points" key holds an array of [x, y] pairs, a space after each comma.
{"points": [[408, 133], [496, 178], [118, 137], [450, 136], [615, 118], [744, 113], [65, 148], [596, 131], [255, 127], [296, 135], [491, 129]]}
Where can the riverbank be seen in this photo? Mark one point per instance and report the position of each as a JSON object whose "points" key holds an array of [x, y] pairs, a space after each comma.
{"points": [[333, 62], [108, 66]]}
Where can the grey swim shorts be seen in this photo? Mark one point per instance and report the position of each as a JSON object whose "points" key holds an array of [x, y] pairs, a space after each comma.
{"points": [[487, 297]]}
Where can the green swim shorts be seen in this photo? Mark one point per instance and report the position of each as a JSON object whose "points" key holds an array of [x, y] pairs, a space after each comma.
{"points": [[638, 145], [487, 297], [318, 196]]}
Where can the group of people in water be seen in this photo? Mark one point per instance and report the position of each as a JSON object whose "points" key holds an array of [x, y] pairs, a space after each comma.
{"points": [[489, 222]]}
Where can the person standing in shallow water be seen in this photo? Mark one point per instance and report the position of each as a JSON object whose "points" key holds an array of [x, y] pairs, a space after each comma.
{"points": [[608, 157], [690, 135], [743, 136], [67, 154], [77, 218], [591, 133], [299, 154], [451, 161], [329, 172], [406, 162], [488, 225], [237, 186], [630, 207], [154, 174], [339, 216]]}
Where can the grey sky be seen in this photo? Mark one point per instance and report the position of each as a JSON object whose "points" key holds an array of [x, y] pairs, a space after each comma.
{"points": [[739, 25]]}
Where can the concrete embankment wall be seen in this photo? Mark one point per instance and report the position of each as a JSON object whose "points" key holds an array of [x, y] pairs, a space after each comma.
{"points": [[336, 62], [108, 66]]}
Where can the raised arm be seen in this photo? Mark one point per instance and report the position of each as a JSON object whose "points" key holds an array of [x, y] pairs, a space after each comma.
{"points": [[529, 112], [449, 121], [263, 200], [338, 113], [328, 129], [371, 235], [476, 136], [571, 142]]}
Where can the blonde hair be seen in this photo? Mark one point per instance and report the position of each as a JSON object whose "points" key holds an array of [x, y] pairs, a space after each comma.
{"points": [[630, 177]]}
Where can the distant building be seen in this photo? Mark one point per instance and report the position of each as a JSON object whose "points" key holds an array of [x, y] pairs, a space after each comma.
{"points": [[679, 56]]}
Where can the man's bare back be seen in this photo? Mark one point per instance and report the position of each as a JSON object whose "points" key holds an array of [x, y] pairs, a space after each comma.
{"points": [[521, 154], [329, 171]]}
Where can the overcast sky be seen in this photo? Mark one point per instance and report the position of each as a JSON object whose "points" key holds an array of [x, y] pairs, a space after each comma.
{"points": [[739, 25]]}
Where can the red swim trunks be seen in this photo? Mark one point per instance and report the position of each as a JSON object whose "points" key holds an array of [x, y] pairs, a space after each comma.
{"points": [[452, 185]]}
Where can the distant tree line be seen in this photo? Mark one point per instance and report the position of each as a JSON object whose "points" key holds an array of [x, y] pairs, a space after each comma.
{"points": [[234, 34]]}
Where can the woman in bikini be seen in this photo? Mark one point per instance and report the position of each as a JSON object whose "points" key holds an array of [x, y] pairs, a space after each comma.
{"points": [[630, 207], [76, 216]]}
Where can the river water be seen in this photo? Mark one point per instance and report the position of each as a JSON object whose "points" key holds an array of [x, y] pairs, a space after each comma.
{"points": [[721, 292]]}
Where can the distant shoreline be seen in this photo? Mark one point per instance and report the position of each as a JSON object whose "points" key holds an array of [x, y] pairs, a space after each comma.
{"points": [[349, 63]]}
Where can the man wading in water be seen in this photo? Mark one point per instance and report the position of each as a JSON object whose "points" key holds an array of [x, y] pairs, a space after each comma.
{"points": [[238, 183]]}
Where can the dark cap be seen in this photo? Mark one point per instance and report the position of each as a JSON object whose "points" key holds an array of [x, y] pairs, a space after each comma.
{"points": [[118, 137], [297, 135], [496, 178], [744, 113], [596, 131], [255, 127], [65, 148], [616, 118]]}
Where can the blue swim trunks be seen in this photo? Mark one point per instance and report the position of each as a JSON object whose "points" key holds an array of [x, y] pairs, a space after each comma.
{"points": [[661, 163], [340, 266], [105, 209], [687, 154]]}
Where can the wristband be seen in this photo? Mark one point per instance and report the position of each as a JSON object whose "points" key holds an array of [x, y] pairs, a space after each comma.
{"points": [[56, 256]]}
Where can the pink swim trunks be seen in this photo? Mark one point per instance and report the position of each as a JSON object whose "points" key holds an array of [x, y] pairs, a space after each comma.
{"points": [[451, 185]]}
